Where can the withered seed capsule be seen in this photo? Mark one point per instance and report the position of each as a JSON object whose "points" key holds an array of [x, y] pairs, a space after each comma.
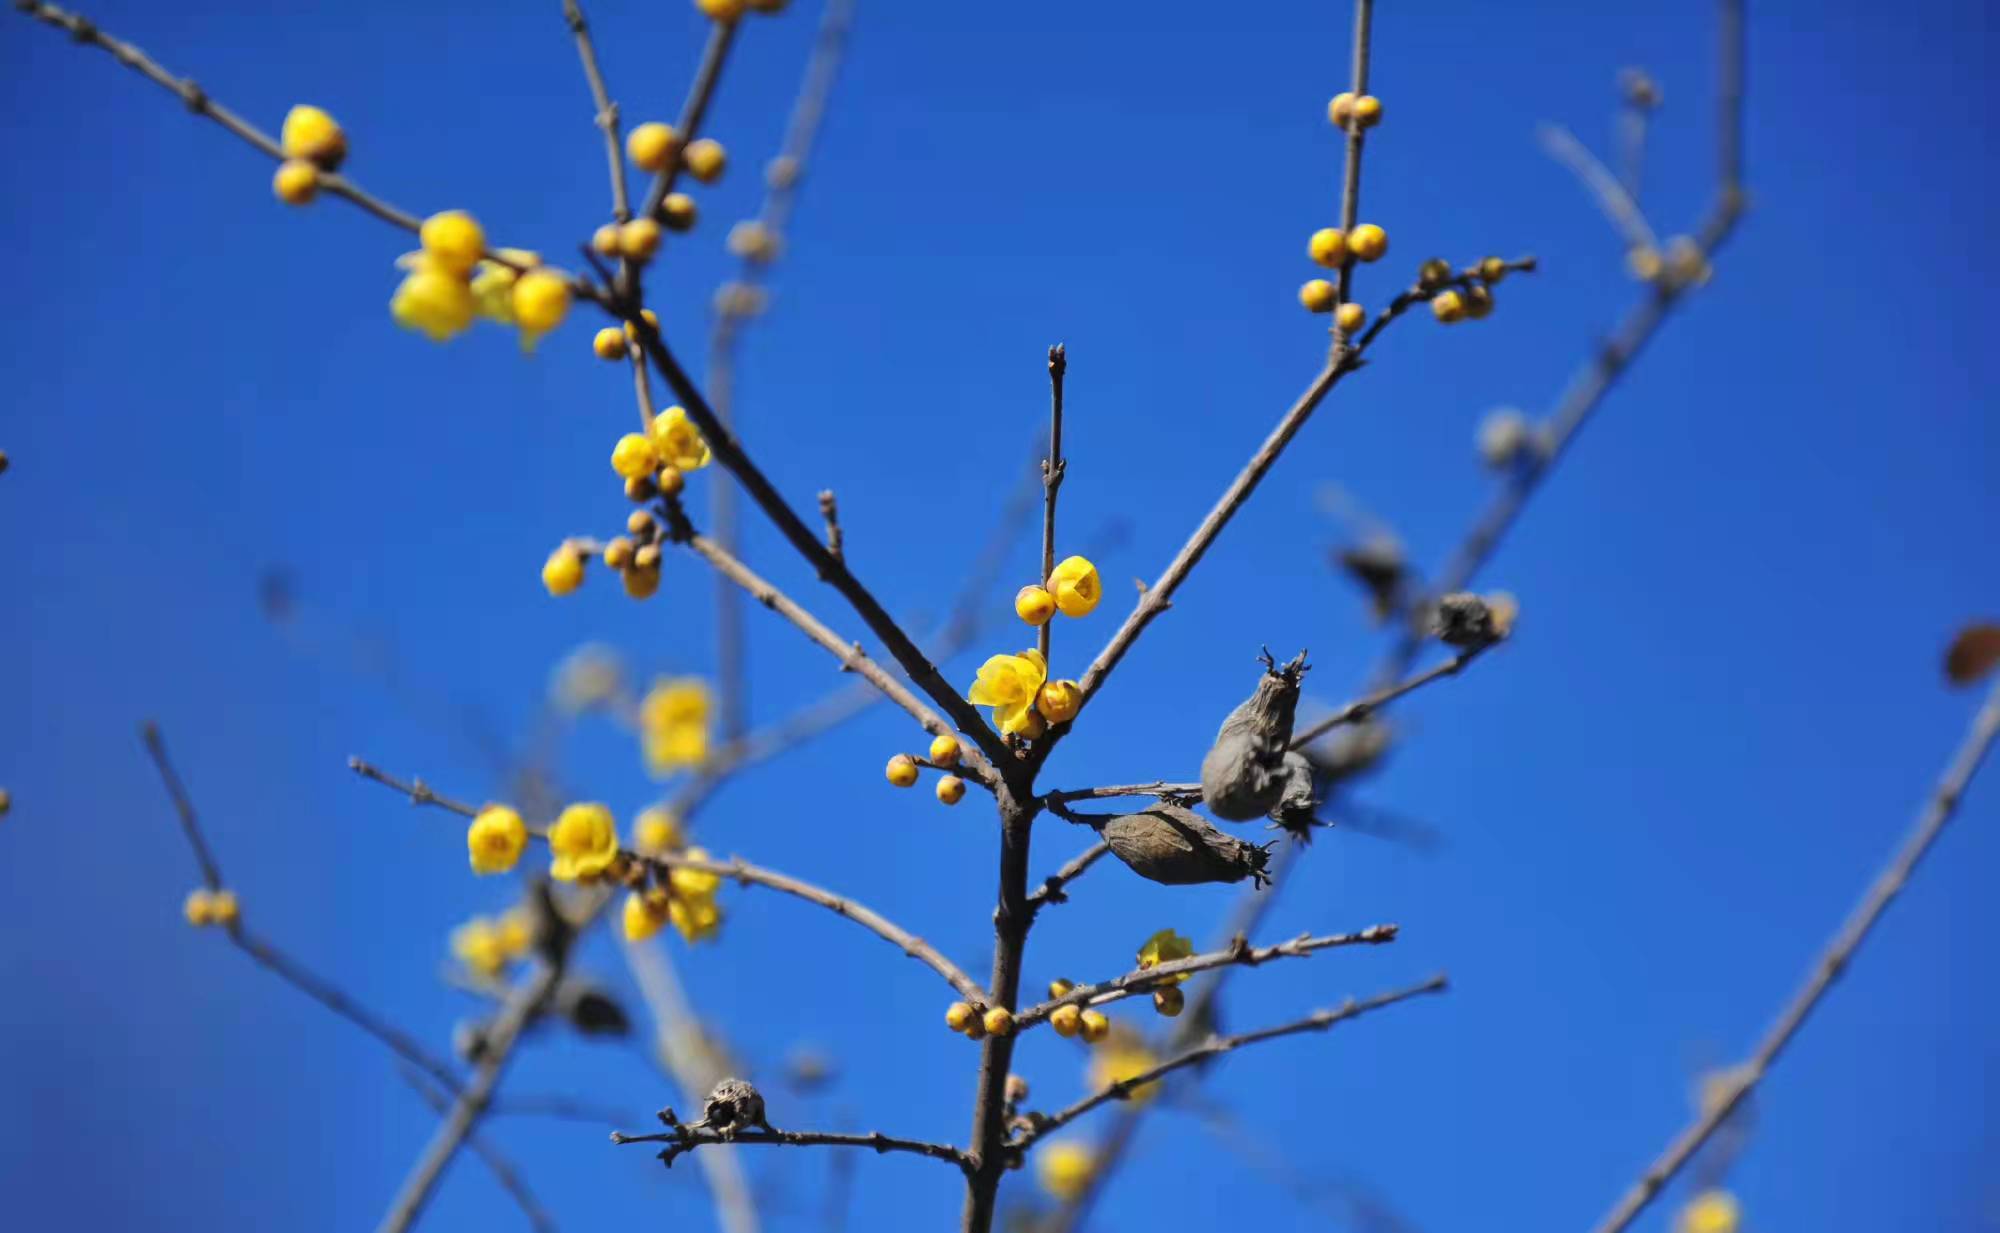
{"points": [[1243, 773], [1177, 847], [1463, 619]]}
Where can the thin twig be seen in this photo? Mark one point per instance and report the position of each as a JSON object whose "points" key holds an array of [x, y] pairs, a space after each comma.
{"points": [[1826, 969], [1612, 197], [1362, 708], [156, 745], [503, 1170], [1350, 173], [829, 512], [1145, 980], [1053, 467], [1122, 1089], [607, 111], [682, 1139], [1055, 887]]}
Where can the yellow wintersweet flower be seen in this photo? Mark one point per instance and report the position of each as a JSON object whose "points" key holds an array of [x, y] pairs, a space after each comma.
{"points": [[696, 919], [1122, 1055], [679, 441], [673, 724], [584, 840], [517, 931], [1711, 1211], [694, 883], [1165, 947], [453, 241], [478, 945], [495, 839], [645, 915], [432, 302], [493, 283], [311, 134], [1010, 684], [199, 907], [1076, 588], [540, 301], [222, 907], [658, 830], [1065, 1169]]}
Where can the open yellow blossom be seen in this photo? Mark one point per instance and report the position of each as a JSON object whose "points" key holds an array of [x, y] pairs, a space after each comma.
{"points": [[433, 302], [1059, 701], [495, 839], [1165, 947], [1010, 684], [679, 441], [658, 830], [516, 928], [541, 301], [645, 915], [584, 841], [479, 945], [694, 883], [673, 724], [1076, 588], [697, 918], [493, 285], [1065, 1169], [1122, 1055], [1711, 1211], [313, 135], [454, 242]]}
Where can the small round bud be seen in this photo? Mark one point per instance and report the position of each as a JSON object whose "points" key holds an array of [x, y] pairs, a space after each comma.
{"points": [[1367, 111], [1096, 1025], [1368, 242], [1341, 109], [646, 556], [649, 317], [1169, 1001], [720, 10], [705, 160], [1644, 263], [999, 1022], [1328, 246], [753, 241], [1504, 610], [902, 770], [296, 182], [604, 240], [1504, 438], [1016, 1090], [950, 790], [541, 300], [311, 134], [1059, 701], [678, 212], [1318, 295], [650, 146], [453, 240], [609, 343], [976, 1030], [634, 455], [639, 239], [671, 481], [945, 750], [562, 573], [1059, 987], [1492, 269], [1478, 301], [640, 583], [223, 908], [1350, 317], [199, 907], [640, 488], [1448, 306], [640, 523], [1434, 273], [958, 1015], [1066, 1020], [781, 172], [1034, 605], [618, 553]]}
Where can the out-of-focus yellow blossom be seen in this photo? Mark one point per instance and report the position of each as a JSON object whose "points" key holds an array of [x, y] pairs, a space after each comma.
{"points": [[673, 724], [495, 839], [1010, 684], [311, 134], [541, 301], [1165, 947], [705, 160], [658, 831], [639, 239], [1075, 585], [609, 343], [584, 841], [1711, 1211], [480, 946], [641, 581], [454, 242], [223, 908], [679, 441], [678, 212], [1059, 701], [634, 455], [562, 573], [1065, 1169], [199, 907], [646, 914], [296, 181], [493, 285], [604, 240], [433, 302], [1122, 1055], [694, 883], [516, 928], [696, 919]]}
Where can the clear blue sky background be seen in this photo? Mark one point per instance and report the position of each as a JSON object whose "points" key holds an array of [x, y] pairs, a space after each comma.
{"points": [[1721, 709]]}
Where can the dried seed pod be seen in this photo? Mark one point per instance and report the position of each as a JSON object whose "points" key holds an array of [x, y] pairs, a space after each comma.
{"points": [[1295, 809], [589, 1009], [1243, 773], [1973, 653], [1177, 847], [1377, 563], [1351, 751], [733, 1105], [1463, 619]]}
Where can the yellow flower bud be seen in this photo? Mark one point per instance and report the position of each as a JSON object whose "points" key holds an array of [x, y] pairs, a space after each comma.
{"points": [[454, 241], [639, 239], [618, 553], [1059, 987], [605, 240], [1075, 585], [720, 10], [902, 770], [1367, 111], [495, 839], [650, 146], [1711, 1211], [634, 455], [541, 300], [958, 1015], [1341, 109], [678, 212], [678, 441], [705, 158], [1034, 605], [1435, 272], [199, 907], [222, 907], [951, 790], [1065, 1170], [1350, 317], [1059, 701], [1317, 296], [998, 1022], [641, 488], [642, 921], [1328, 246], [1492, 269], [1096, 1025], [671, 481], [1169, 1001], [641, 581], [945, 750], [562, 573], [1448, 306], [609, 343], [1478, 301], [433, 302], [311, 134], [296, 182], [640, 523], [657, 831], [649, 317], [1368, 242], [1066, 1020]]}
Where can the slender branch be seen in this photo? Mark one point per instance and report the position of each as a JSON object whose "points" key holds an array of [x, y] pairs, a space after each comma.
{"points": [[682, 1139], [829, 512], [1012, 918], [1362, 708], [1618, 204], [1827, 968], [1239, 951], [1056, 886], [1350, 174], [607, 111], [156, 746], [1122, 1089], [1053, 467], [735, 868], [496, 1162]]}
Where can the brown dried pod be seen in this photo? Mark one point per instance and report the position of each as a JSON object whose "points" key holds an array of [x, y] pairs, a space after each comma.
{"points": [[1351, 751], [1177, 847], [1973, 653], [1295, 810], [1463, 619], [1243, 773], [1377, 563], [733, 1105]]}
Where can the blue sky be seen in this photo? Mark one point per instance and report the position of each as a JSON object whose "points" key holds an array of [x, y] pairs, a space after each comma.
{"points": [[1721, 709]]}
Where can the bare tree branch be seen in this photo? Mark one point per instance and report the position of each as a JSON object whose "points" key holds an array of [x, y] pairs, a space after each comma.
{"points": [[1053, 467], [1611, 196], [681, 1139], [504, 1173], [607, 111], [1055, 886]]}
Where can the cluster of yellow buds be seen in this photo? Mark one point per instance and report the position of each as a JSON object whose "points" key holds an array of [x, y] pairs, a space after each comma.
{"points": [[1464, 296], [204, 907], [312, 142], [487, 944], [1684, 264], [945, 753], [654, 147], [1024, 700], [685, 899], [1071, 1020], [976, 1024], [451, 280], [1335, 248], [1165, 947], [673, 724], [656, 462], [636, 554], [652, 464]]}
